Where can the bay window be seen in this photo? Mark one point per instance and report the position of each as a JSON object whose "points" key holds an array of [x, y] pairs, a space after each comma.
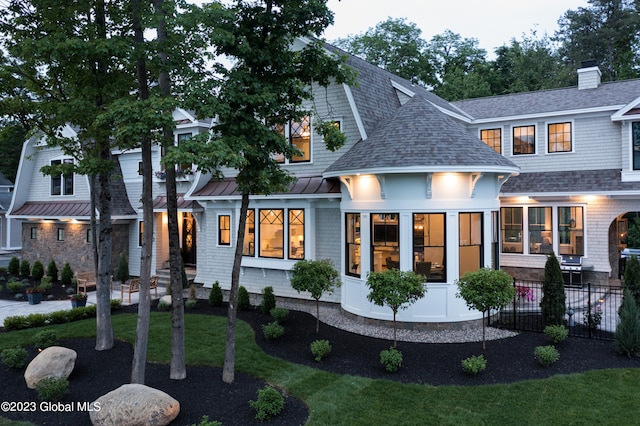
{"points": [[429, 245], [470, 242], [274, 227], [385, 244], [296, 234], [352, 239]]}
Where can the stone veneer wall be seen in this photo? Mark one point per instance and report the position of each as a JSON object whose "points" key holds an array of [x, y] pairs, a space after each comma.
{"points": [[537, 274], [74, 249]]}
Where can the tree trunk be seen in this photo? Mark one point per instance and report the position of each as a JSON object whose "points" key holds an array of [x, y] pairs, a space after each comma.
{"points": [[395, 340], [317, 316], [178, 370], [484, 344], [230, 345], [142, 328]]}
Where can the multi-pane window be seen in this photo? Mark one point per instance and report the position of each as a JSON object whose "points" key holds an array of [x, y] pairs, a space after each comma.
{"points": [[34, 233], [352, 239], [62, 184], [571, 230], [296, 234], [88, 237], [140, 233], [559, 137], [60, 234], [249, 247], [186, 167], [224, 230], [470, 242], [298, 135], [493, 138], [429, 245], [385, 245], [271, 233], [635, 139], [511, 229], [540, 230], [524, 140]]}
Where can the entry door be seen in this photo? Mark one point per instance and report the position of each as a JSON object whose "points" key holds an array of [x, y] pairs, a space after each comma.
{"points": [[188, 239]]}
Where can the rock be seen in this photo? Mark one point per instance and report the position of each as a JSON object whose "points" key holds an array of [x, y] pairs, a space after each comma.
{"points": [[166, 299], [54, 361], [134, 404]]}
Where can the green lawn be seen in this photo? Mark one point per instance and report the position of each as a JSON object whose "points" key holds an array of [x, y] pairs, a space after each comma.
{"points": [[598, 397]]}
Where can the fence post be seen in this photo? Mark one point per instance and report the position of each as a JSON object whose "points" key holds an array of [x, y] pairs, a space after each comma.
{"points": [[589, 319], [515, 305]]}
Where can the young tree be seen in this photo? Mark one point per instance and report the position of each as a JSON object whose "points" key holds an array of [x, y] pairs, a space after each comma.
{"points": [[632, 277], [395, 289], [262, 92], [316, 277], [627, 339], [553, 297], [485, 290]]}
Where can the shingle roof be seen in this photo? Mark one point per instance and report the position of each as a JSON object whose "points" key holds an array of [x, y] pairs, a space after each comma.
{"points": [[417, 135], [304, 185], [5, 201], [610, 94], [569, 182]]}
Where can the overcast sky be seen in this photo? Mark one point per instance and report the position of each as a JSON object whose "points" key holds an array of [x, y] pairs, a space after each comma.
{"points": [[492, 22]]}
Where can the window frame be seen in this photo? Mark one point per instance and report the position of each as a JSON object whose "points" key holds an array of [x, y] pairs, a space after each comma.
{"points": [[506, 245], [140, 232], [472, 243], [634, 128], [65, 183], [492, 139], [438, 271], [34, 233], [546, 232], [224, 230], [549, 134], [532, 144], [60, 234], [386, 221], [295, 221], [353, 242], [286, 131]]}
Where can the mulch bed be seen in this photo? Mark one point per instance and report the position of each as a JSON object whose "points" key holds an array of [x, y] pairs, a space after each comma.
{"points": [[204, 393], [57, 292]]}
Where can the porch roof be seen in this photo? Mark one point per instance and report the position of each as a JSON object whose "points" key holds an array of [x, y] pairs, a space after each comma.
{"points": [[160, 204], [304, 185]]}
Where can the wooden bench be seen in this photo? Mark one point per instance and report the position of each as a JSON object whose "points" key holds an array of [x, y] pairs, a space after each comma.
{"points": [[133, 286], [87, 280]]}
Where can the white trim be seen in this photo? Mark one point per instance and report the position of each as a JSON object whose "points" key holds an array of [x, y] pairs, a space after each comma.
{"points": [[547, 115], [402, 89], [354, 110], [573, 139], [426, 169]]}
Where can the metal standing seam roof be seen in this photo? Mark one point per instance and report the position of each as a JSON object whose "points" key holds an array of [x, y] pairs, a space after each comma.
{"points": [[160, 204], [54, 209], [304, 185]]}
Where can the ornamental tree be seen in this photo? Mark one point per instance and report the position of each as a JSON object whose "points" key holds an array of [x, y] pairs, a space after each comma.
{"points": [[484, 290], [553, 297], [632, 277], [395, 289], [316, 277]]}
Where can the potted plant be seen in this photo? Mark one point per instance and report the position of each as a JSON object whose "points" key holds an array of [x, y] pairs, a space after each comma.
{"points": [[34, 295], [78, 300]]}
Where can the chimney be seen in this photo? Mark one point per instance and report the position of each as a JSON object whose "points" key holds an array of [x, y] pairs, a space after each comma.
{"points": [[589, 75]]}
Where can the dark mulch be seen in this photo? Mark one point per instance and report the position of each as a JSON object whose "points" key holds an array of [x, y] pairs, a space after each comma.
{"points": [[203, 392], [57, 292]]}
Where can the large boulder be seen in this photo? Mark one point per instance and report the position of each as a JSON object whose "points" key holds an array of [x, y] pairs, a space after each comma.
{"points": [[132, 405], [54, 361]]}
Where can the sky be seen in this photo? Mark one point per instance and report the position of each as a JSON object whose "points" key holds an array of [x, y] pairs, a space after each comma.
{"points": [[492, 22]]}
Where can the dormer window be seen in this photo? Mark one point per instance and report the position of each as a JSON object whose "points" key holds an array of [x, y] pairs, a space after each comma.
{"points": [[62, 184], [298, 134]]}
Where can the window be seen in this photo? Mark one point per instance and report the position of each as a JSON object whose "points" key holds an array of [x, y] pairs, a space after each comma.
{"points": [[635, 137], [352, 239], [60, 234], [88, 237], [429, 245], [249, 247], [385, 245], [470, 243], [224, 230], [140, 233], [296, 234], [511, 229], [493, 138], [34, 233], [184, 168], [62, 184], [524, 140], [298, 134], [540, 230], [571, 230], [271, 233], [559, 137]]}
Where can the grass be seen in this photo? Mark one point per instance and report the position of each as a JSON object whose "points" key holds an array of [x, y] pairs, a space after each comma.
{"points": [[604, 396]]}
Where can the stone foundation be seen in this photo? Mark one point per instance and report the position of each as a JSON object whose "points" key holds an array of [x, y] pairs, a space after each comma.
{"points": [[537, 274]]}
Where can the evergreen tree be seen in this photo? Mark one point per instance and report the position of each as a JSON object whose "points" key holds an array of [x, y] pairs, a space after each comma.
{"points": [[627, 340], [66, 276], [52, 270], [632, 277], [122, 271], [553, 297]]}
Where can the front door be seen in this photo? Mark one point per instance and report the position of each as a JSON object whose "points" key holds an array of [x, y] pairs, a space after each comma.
{"points": [[188, 239]]}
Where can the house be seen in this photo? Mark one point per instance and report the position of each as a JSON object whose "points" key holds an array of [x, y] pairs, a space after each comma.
{"points": [[438, 187], [10, 229]]}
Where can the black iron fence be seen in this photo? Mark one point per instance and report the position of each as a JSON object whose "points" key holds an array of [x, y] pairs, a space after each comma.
{"points": [[591, 311]]}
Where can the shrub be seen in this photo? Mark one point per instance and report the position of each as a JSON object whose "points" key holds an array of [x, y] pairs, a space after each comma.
{"points": [[3, 270], [18, 296], [320, 349], [244, 303], [52, 388], [546, 355], [553, 298], [204, 421], [474, 365], [163, 306], [627, 338], [272, 331], [557, 333], [268, 300], [45, 284], [15, 286], [70, 290], [66, 276], [37, 272], [215, 295], [58, 317], [270, 403], [122, 271], [52, 270], [592, 319], [25, 268], [190, 303], [37, 320], [391, 359], [192, 292], [14, 358], [14, 266], [15, 322], [44, 338], [115, 304], [279, 314]]}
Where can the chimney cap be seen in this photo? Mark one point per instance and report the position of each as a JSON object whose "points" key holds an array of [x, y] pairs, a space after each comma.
{"points": [[589, 63]]}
